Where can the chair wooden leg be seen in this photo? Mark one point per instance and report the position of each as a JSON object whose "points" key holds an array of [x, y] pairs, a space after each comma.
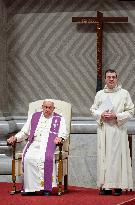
{"points": [[60, 174], [13, 174], [60, 171], [66, 175], [14, 190], [128, 191], [66, 183]]}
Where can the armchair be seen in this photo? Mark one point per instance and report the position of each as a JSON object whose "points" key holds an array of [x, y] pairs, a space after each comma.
{"points": [[62, 151]]}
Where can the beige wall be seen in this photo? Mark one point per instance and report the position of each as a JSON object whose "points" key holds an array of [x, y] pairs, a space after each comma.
{"points": [[3, 73], [48, 56]]}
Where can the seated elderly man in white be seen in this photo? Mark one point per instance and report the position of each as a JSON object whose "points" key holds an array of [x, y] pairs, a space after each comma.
{"points": [[44, 130]]}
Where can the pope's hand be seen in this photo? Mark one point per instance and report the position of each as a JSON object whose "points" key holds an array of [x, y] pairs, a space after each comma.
{"points": [[57, 140], [11, 140]]}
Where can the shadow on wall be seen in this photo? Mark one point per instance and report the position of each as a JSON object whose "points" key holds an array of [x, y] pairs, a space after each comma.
{"points": [[40, 6]]}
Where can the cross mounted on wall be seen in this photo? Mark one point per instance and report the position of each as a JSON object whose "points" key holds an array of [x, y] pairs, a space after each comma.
{"points": [[99, 21]]}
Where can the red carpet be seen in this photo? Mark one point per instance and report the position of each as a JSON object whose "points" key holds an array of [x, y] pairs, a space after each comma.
{"points": [[75, 196]]}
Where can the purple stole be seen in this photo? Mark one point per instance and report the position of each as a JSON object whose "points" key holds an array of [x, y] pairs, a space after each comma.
{"points": [[50, 149]]}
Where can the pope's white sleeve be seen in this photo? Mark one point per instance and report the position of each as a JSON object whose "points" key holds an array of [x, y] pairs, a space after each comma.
{"points": [[23, 134], [63, 130]]}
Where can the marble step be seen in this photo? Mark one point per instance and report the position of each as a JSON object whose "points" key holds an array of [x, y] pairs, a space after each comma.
{"points": [[5, 149], [3, 143], [6, 178], [5, 165]]}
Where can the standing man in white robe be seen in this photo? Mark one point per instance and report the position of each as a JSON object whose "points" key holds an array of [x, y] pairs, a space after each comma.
{"points": [[34, 156], [112, 108]]}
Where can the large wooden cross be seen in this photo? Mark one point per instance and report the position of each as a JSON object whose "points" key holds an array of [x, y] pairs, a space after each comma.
{"points": [[99, 21]]}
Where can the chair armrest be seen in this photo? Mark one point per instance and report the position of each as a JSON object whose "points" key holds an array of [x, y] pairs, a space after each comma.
{"points": [[60, 145], [13, 145]]}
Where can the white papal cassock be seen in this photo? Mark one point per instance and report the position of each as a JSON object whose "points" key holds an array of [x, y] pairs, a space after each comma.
{"points": [[35, 155], [114, 163]]}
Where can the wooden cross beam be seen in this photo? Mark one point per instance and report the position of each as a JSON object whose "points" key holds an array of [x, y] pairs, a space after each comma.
{"points": [[99, 21]]}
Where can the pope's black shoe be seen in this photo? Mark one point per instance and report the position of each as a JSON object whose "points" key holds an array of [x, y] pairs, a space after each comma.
{"points": [[27, 193], [105, 192], [47, 193], [117, 192]]}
